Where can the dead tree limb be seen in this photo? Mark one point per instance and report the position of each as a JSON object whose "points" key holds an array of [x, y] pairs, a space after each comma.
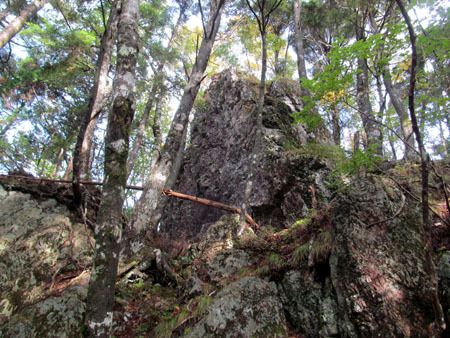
{"points": [[3, 177], [213, 204]]}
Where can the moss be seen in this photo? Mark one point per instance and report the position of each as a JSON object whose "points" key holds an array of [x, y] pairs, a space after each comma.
{"points": [[300, 254], [181, 316]]}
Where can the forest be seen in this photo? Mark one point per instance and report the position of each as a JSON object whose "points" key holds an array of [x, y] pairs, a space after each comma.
{"points": [[106, 91]]}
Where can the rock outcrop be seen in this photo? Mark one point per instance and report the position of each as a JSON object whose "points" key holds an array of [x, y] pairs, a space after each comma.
{"points": [[44, 261], [362, 273], [217, 161]]}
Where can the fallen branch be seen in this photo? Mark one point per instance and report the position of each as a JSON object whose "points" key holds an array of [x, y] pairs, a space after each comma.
{"points": [[5, 177], [210, 203]]}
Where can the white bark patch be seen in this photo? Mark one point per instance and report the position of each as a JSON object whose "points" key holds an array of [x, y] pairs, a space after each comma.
{"points": [[125, 51], [160, 177], [106, 322], [128, 78], [179, 127], [118, 145]]}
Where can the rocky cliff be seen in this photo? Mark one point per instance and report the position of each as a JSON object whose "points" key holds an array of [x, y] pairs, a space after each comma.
{"points": [[217, 161], [333, 258]]}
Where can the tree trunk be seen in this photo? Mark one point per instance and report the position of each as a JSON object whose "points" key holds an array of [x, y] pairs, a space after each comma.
{"points": [[402, 113], [298, 35], [99, 94], [108, 228], [17, 24], [68, 170], [369, 120], [58, 163], [336, 122], [258, 134], [147, 212], [157, 93], [439, 321]]}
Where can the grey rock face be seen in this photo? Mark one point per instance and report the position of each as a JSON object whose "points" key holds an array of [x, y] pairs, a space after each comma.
{"points": [[248, 307], [38, 245], [444, 280], [228, 262], [377, 272], [309, 306], [217, 162]]}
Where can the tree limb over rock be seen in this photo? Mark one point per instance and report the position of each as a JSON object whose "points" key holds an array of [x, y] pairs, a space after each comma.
{"points": [[210, 203]]}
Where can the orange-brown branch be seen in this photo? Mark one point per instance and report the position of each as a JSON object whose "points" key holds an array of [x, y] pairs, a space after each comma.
{"points": [[210, 203]]}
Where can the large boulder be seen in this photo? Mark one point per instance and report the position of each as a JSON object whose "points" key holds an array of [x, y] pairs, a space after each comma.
{"points": [[44, 255], [377, 265]]}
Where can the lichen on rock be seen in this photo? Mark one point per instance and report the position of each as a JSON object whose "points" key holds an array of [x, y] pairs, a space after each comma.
{"points": [[248, 307], [42, 252]]}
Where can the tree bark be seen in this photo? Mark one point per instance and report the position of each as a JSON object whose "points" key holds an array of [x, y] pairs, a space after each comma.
{"points": [[402, 113], [263, 19], [17, 24], [108, 228], [336, 122], [99, 94], [298, 35], [369, 120], [147, 212]]}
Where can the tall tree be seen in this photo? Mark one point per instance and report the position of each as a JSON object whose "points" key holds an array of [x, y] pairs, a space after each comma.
{"points": [[261, 10], [439, 323], [371, 122], [108, 227], [148, 210], [157, 93], [298, 36], [16, 25], [402, 113], [99, 94]]}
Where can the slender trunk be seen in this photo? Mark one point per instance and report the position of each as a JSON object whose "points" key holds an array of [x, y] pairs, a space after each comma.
{"points": [[258, 134], [298, 35], [336, 121], [68, 170], [165, 170], [17, 24], [442, 136], [391, 143], [157, 94], [369, 120], [108, 228], [58, 163], [439, 322], [99, 94], [402, 113]]}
